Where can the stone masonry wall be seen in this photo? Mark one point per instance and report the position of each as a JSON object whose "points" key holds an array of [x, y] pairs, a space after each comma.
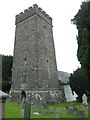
{"points": [[34, 62]]}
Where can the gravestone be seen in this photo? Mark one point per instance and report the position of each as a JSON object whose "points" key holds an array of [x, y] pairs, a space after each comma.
{"points": [[66, 107], [58, 110], [37, 109], [79, 114], [51, 109], [57, 116], [75, 108], [27, 109], [45, 105], [22, 103], [84, 100], [70, 111], [22, 112], [37, 104]]}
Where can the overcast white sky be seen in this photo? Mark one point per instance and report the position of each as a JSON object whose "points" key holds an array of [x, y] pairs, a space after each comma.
{"points": [[62, 11]]}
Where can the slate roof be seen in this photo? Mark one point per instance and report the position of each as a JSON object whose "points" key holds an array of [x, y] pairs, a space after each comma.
{"points": [[63, 77]]}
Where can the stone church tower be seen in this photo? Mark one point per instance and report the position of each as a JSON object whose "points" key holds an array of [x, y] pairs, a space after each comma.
{"points": [[34, 69]]}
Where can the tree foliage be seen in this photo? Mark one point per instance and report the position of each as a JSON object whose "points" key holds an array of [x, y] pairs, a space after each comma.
{"points": [[82, 21], [80, 80], [6, 72]]}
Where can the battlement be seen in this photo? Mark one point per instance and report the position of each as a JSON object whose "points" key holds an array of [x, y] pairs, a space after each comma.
{"points": [[32, 11]]}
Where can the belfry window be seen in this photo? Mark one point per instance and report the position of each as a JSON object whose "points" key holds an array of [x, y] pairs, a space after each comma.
{"points": [[25, 61], [24, 78], [47, 60]]}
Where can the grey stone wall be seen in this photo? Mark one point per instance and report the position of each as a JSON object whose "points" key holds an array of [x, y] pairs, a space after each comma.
{"points": [[34, 62]]}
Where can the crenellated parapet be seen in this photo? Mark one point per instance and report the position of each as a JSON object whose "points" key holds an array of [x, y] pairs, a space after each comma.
{"points": [[32, 11]]}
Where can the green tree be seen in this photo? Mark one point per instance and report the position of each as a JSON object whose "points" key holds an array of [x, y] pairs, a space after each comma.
{"points": [[82, 22], [78, 82], [6, 72]]}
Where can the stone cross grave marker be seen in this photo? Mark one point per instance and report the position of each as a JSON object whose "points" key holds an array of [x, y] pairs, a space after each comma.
{"points": [[79, 114]]}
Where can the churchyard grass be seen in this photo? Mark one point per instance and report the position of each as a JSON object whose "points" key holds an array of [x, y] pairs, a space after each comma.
{"points": [[13, 110]]}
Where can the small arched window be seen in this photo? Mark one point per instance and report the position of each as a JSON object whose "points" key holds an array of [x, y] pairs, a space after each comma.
{"points": [[25, 61], [47, 60]]}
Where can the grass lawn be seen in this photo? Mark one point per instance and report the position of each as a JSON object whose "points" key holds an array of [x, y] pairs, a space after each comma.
{"points": [[13, 110]]}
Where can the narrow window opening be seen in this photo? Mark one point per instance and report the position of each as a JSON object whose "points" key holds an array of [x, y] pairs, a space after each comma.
{"points": [[25, 59], [47, 60]]}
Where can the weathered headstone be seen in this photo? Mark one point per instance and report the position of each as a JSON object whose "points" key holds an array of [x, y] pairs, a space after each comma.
{"points": [[84, 100], [51, 109], [22, 112], [79, 114], [45, 105], [58, 110], [66, 107], [37, 109], [57, 116], [75, 108], [27, 109], [70, 111], [22, 103]]}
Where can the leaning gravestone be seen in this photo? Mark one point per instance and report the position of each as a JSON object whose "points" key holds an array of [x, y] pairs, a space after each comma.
{"points": [[79, 114], [22, 103], [27, 109]]}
